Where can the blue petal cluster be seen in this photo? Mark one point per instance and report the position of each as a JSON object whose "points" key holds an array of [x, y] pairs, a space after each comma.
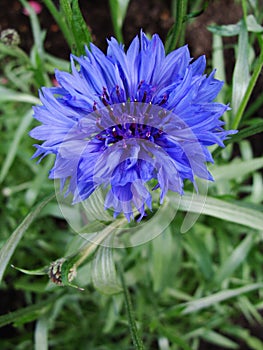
{"points": [[129, 120]]}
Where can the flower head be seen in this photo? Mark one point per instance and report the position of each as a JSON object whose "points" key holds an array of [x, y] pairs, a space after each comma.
{"points": [[129, 120], [36, 6]]}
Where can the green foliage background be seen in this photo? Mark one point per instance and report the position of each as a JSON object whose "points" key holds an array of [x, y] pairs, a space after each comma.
{"points": [[192, 290]]}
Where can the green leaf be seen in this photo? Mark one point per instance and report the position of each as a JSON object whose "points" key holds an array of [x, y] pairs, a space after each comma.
{"points": [[201, 254], [219, 340], [9, 247], [252, 82], [27, 314], [162, 258], [236, 258], [36, 185], [41, 334], [241, 75], [37, 34], [234, 29], [36, 272], [60, 18], [219, 62], [252, 25], [20, 132], [65, 6], [220, 209], [157, 224], [14, 52], [236, 169], [225, 30], [104, 275], [211, 300], [242, 134], [75, 31], [173, 337], [244, 334], [118, 10], [11, 95], [80, 30], [175, 31]]}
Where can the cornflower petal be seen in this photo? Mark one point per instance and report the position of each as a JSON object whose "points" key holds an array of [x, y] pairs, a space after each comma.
{"points": [[130, 122]]}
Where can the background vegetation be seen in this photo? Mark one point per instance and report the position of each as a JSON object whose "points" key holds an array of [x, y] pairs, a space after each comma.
{"points": [[196, 290]]}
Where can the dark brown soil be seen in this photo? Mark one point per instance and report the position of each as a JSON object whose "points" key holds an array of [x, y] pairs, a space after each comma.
{"points": [[151, 16]]}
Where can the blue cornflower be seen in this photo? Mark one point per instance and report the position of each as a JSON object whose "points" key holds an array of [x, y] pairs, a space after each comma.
{"points": [[125, 121]]}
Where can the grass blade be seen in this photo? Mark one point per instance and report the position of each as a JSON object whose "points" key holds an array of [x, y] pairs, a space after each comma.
{"points": [[220, 209], [236, 169], [241, 72], [203, 303], [41, 334], [9, 247], [235, 259], [20, 132], [118, 11]]}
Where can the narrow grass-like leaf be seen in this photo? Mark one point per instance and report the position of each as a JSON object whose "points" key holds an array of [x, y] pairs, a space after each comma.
{"points": [[239, 333], [220, 209], [219, 63], [225, 30], [251, 310], [59, 63], [37, 272], [219, 340], [234, 29], [252, 25], [256, 73], [14, 52], [11, 95], [33, 191], [65, 6], [174, 33], [38, 38], [201, 254], [235, 259], [257, 188], [9, 247], [163, 258], [104, 275], [236, 169], [241, 75], [118, 10], [80, 30], [211, 300], [173, 337], [244, 133], [41, 334], [23, 126], [60, 19], [29, 313], [76, 26]]}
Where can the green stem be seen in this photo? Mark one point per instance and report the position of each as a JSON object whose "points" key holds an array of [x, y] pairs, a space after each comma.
{"points": [[88, 250], [36, 30], [244, 8], [114, 16], [250, 88], [137, 341], [174, 33], [60, 20]]}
